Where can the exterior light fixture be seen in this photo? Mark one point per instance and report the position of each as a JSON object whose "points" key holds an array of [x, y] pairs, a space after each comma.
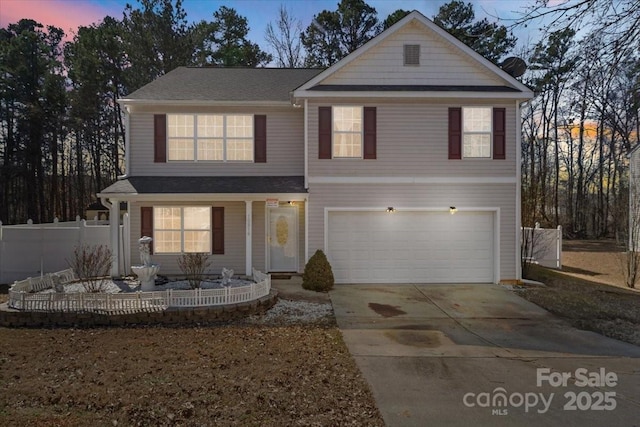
{"points": [[452, 210], [391, 209], [291, 203]]}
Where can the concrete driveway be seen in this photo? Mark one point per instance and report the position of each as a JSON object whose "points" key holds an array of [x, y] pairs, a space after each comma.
{"points": [[462, 355]]}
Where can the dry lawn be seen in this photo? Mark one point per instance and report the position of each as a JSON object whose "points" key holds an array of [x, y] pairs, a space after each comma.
{"points": [[609, 310], [233, 375], [594, 260]]}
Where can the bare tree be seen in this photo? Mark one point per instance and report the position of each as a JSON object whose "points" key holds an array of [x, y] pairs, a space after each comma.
{"points": [[630, 258], [285, 40], [616, 22]]}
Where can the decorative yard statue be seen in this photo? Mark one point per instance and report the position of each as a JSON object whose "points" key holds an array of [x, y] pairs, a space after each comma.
{"points": [[145, 250], [226, 276], [147, 271]]}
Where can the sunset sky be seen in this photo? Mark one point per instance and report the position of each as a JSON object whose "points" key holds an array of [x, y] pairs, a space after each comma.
{"points": [[69, 14]]}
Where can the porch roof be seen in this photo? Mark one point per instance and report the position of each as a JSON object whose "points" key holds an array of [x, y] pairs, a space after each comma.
{"points": [[183, 185]]}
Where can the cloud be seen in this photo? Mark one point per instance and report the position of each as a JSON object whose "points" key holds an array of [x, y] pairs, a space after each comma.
{"points": [[65, 14]]}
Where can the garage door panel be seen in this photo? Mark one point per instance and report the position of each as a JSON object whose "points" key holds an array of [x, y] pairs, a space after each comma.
{"points": [[413, 246]]}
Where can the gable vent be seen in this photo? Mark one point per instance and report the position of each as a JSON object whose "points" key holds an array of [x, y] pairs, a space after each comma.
{"points": [[411, 54]]}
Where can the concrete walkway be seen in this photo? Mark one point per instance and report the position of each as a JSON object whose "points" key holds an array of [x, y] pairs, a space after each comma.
{"points": [[449, 355]]}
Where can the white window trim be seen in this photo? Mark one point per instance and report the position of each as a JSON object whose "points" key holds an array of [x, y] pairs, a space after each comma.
{"points": [[490, 133], [225, 138], [333, 132], [182, 229]]}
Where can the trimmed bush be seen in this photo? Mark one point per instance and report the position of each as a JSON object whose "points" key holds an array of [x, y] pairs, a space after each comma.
{"points": [[92, 264], [318, 275], [193, 266]]}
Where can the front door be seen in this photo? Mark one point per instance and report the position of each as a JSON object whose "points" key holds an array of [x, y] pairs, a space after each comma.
{"points": [[282, 239]]}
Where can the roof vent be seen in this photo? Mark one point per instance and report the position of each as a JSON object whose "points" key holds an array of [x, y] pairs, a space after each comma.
{"points": [[411, 54]]}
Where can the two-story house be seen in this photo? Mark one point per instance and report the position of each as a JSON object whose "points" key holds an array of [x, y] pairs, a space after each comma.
{"points": [[401, 162]]}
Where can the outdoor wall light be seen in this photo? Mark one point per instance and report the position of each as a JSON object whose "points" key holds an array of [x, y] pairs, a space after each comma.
{"points": [[291, 203], [452, 210], [391, 209]]}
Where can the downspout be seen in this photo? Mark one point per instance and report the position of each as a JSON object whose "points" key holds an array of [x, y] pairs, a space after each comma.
{"points": [[306, 144], [518, 206], [306, 180], [114, 232], [127, 144]]}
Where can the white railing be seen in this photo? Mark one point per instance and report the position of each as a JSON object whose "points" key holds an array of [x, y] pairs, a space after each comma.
{"points": [[22, 297]]}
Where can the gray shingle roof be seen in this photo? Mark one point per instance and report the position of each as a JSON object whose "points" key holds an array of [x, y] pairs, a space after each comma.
{"points": [[225, 84], [206, 185]]}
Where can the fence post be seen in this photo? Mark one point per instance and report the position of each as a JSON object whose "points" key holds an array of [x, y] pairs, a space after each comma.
{"points": [[559, 247]]}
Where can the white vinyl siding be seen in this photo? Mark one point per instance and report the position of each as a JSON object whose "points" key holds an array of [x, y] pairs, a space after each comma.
{"points": [[202, 137], [412, 141], [440, 63], [285, 144], [420, 196], [476, 131]]}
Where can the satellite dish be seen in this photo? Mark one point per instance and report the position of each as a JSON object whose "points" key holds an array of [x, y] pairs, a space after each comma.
{"points": [[513, 66]]}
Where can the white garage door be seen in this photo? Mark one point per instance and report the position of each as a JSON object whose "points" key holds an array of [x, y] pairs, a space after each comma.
{"points": [[411, 247]]}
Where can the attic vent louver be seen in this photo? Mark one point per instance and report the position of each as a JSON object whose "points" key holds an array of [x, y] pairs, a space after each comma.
{"points": [[411, 54]]}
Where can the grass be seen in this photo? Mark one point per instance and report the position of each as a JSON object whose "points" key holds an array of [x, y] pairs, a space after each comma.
{"points": [[607, 310]]}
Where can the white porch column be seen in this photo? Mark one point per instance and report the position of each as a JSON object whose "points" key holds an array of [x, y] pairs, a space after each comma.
{"points": [[248, 244], [114, 233]]}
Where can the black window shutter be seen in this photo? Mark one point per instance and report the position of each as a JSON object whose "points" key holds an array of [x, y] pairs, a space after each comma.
{"points": [[455, 133], [146, 223], [217, 230], [369, 145], [324, 132], [260, 138], [499, 134], [160, 138]]}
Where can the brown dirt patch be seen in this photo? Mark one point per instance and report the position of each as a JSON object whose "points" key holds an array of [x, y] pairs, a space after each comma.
{"points": [[230, 375], [595, 260]]}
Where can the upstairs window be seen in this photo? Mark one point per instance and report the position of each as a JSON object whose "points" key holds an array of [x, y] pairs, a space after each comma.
{"points": [[477, 133], [411, 54], [476, 127], [347, 132], [210, 137]]}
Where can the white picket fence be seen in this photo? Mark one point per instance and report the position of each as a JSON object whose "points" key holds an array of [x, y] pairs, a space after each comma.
{"points": [[546, 249], [29, 250], [22, 297]]}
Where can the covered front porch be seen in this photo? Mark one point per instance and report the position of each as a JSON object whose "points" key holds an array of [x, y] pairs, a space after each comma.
{"points": [[262, 227]]}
